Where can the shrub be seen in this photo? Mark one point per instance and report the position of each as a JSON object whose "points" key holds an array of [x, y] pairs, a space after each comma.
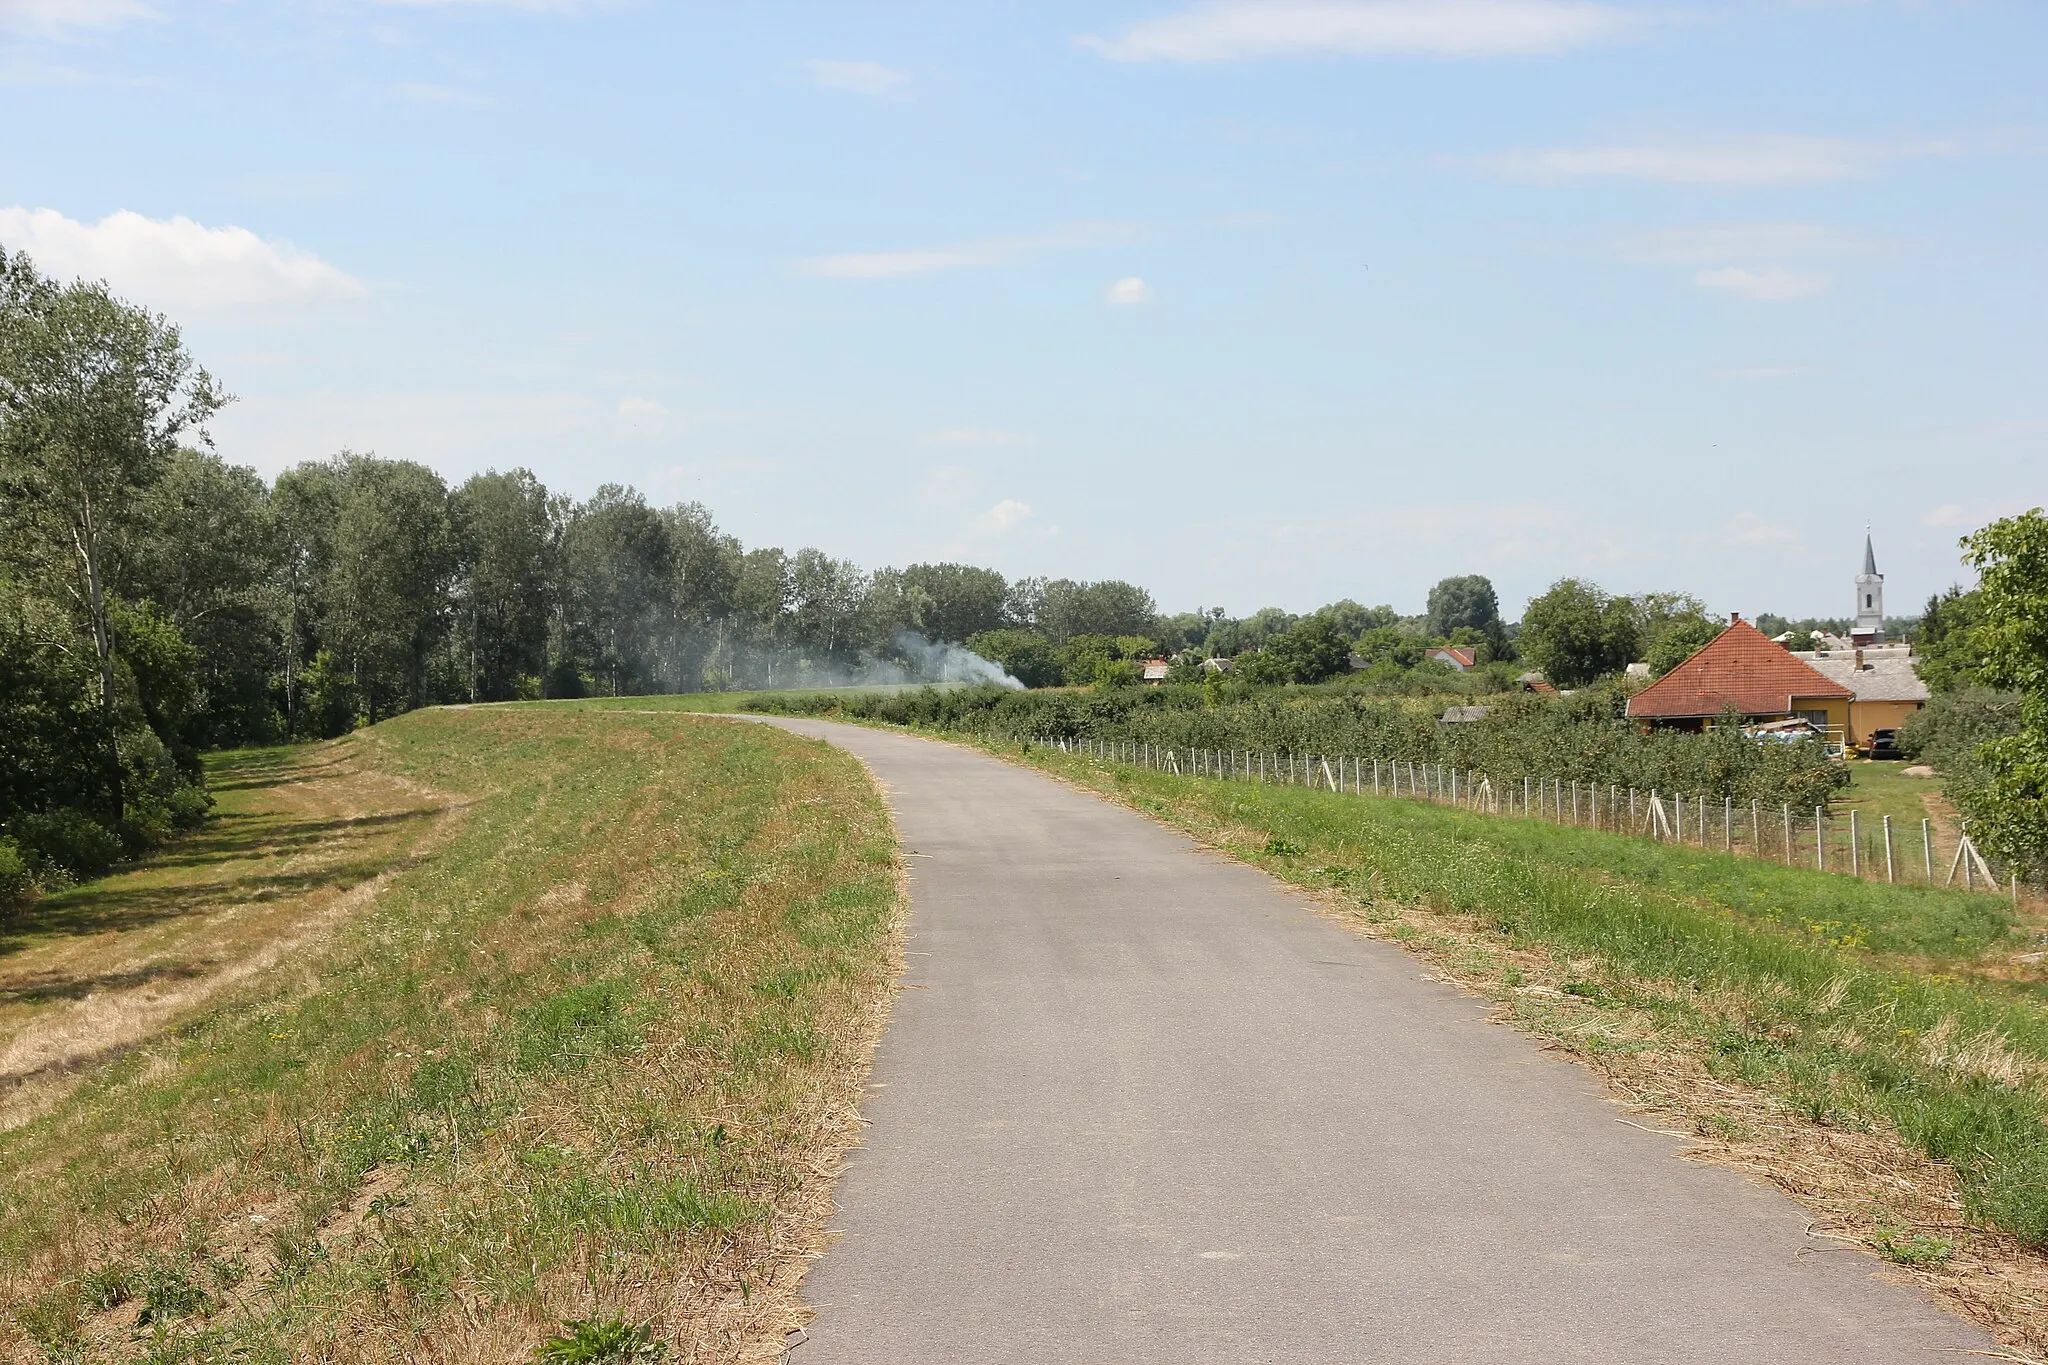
{"points": [[67, 842], [17, 887]]}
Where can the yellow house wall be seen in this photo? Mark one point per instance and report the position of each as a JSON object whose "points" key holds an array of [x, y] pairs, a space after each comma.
{"points": [[1837, 709], [1866, 716]]}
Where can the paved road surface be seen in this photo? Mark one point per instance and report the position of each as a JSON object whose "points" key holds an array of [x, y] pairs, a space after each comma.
{"points": [[1140, 1104]]}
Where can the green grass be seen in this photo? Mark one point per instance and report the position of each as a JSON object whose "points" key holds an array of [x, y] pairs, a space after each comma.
{"points": [[1811, 987], [578, 1060]]}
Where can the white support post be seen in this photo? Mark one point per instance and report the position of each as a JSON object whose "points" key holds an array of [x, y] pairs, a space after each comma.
{"points": [[1855, 846], [1927, 848], [1820, 839], [1888, 850]]}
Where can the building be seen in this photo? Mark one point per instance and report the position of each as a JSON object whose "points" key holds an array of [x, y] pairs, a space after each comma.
{"points": [[1744, 671], [1536, 683], [1869, 627], [1155, 670], [1458, 657], [1463, 715], [1885, 684]]}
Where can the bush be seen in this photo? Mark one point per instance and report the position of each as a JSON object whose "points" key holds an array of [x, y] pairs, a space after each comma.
{"points": [[69, 843], [1583, 737], [17, 886]]}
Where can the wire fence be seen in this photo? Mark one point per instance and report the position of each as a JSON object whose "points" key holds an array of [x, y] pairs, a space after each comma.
{"points": [[1875, 850]]}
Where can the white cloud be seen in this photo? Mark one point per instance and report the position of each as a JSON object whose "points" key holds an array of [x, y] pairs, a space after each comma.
{"points": [[989, 251], [1129, 289], [977, 436], [1742, 163], [1768, 371], [1747, 528], [175, 264], [1237, 30], [48, 18], [1720, 242], [427, 93], [1948, 514], [1005, 515], [452, 430], [1769, 285], [860, 78]]}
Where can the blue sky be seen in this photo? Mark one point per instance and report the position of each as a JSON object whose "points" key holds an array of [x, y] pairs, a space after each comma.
{"points": [[1250, 303]]}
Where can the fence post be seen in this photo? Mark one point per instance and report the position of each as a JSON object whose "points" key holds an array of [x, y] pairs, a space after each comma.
{"points": [[1375, 777], [1820, 839], [1727, 824], [1756, 828], [1927, 849], [1788, 834], [1888, 850], [1855, 846], [1678, 809]]}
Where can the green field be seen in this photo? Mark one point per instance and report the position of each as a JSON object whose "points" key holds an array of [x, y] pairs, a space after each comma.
{"points": [[568, 1020]]}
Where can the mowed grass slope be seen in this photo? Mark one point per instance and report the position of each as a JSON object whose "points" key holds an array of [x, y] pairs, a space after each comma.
{"points": [[592, 1053], [1873, 1048]]}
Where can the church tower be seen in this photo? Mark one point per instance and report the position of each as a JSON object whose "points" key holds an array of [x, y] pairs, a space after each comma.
{"points": [[1869, 628]]}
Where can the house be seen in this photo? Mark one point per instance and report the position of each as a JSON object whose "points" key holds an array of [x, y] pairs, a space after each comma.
{"points": [[1218, 665], [1883, 681], [1459, 657], [1745, 671], [1463, 715], [1155, 670], [1537, 683]]}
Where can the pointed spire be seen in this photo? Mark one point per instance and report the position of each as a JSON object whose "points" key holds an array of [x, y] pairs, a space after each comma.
{"points": [[1869, 556]]}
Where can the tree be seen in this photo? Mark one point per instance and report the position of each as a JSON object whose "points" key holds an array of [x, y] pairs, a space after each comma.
{"points": [[1311, 652], [504, 577], [1025, 655], [615, 557], [2011, 559], [1949, 654], [1576, 632], [1465, 602], [961, 600], [392, 566], [95, 395], [1351, 620], [206, 553], [1678, 641], [1110, 607]]}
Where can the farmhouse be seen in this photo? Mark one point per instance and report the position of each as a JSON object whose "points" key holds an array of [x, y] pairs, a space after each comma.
{"points": [[1155, 670], [1457, 657], [1745, 671], [1884, 684]]}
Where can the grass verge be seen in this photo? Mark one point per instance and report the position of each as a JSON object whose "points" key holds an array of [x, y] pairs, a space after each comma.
{"points": [[592, 1055], [1856, 1043]]}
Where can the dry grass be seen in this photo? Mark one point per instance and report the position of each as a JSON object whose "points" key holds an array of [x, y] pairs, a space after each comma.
{"points": [[596, 1052]]}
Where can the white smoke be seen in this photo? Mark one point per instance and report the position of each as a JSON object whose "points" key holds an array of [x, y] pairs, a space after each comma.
{"points": [[942, 662], [917, 661]]}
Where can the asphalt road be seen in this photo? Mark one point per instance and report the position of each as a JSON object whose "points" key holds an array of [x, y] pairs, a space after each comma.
{"points": [[1137, 1102]]}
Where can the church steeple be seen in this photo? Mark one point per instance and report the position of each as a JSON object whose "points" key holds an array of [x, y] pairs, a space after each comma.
{"points": [[1869, 627]]}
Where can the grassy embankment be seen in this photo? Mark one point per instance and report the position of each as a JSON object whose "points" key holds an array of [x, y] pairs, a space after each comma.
{"points": [[1873, 1048], [552, 1014]]}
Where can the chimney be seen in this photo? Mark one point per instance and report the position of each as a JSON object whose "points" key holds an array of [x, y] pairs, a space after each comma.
{"points": [[1734, 618], [1859, 661]]}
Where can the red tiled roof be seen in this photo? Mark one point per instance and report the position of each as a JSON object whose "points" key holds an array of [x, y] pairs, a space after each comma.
{"points": [[1740, 669], [1459, 652]]}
